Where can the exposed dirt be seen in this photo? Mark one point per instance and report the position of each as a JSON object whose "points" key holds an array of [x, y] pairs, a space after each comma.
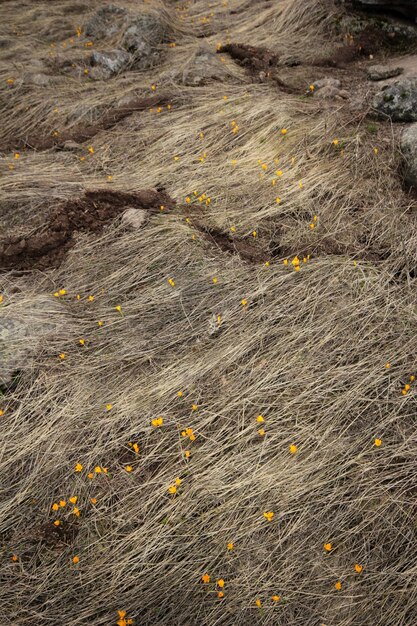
{"points": [[247, 250], [251, 57], [261, 63], [55, 536], [84, 132], [48, 245], [370, 41]]}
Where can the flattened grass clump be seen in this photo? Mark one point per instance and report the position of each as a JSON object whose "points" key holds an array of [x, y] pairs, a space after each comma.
{"points": [[219, 428]]}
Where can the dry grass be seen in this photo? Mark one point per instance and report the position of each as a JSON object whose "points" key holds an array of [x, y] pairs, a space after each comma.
{"points": [[308, 352]]}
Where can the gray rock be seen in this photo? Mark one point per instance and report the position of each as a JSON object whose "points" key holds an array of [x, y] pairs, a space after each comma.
{"points": [[213, 326], [408, 146], [382, 72], [204, 67], [98, 73], [106, 22], [332, 93], [134, 218], [140, 34], [398, 101], [23, 329], [408, 8], [111, 62], [399, 32], [328, 88], [141, 39]]}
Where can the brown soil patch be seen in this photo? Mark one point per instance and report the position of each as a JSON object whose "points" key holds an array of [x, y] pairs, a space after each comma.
{"points": [[48, 245], [371, 40], [247, 250], [84, 132], [261, 63], [251, 57], [53, 535]]}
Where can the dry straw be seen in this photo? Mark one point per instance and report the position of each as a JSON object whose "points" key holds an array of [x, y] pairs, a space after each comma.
{"points": [[178, 509]]}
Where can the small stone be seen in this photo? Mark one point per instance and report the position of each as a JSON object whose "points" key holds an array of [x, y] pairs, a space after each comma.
{"points": [[142, 38], [382, 72], [111, 62], [398, 101], [204, 67], [106, 22], [329, 92], [134, 218], [98, 73]]}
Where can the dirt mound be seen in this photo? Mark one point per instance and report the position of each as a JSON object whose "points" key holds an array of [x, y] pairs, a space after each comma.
{"points": [[47, 246], [247, 250], [262, 64], [83, 132], [251, 57]]}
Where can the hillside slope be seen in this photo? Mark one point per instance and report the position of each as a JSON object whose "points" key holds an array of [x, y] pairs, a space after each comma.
{"points": [[207, 317]]}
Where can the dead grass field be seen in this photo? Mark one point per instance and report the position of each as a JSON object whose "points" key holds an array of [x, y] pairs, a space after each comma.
{"points": [[229, 390]]}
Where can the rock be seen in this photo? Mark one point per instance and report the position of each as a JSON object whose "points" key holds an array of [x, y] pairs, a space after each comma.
{"points": [[329, 88], [214, 328], [382, 72], [106, 22], [407, 8], [24, 328], [398, 101], [376, 31], [141, 39], [140, 34], [332, 93], [134, 218], [98, 73], [399, 32], [408, 146], [203, 67], [111, 62]]}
